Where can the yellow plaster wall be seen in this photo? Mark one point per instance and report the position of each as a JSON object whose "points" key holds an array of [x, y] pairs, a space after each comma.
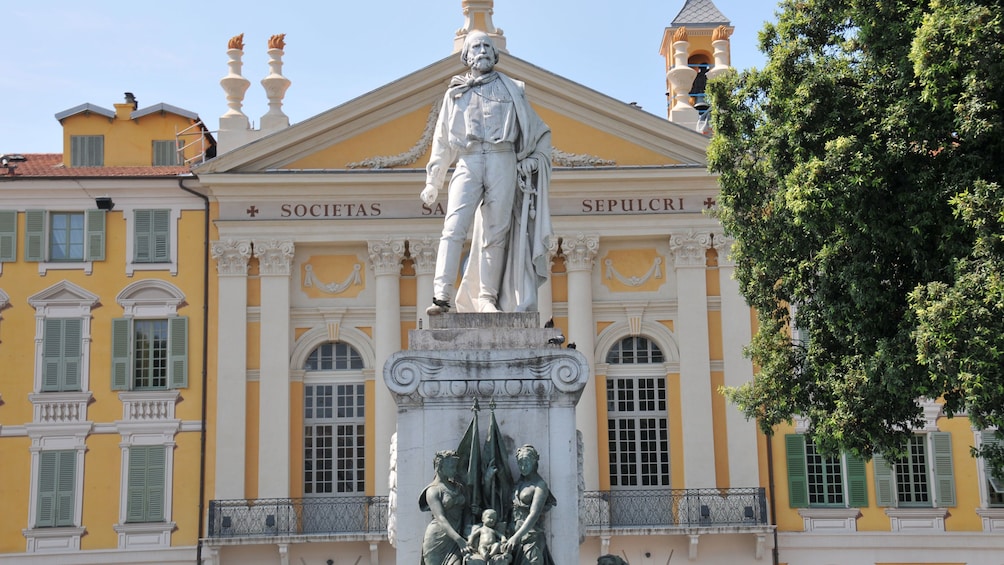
{"points": [[102, 484], [677, 454], [332, 269], [720, 430], [15, 461], [253, 345], [296, 439], [370, 449], [251, 441]]}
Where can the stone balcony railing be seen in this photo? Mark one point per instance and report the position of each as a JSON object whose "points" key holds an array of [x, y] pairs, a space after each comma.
{"points": [[148, 405], [59, 407]]}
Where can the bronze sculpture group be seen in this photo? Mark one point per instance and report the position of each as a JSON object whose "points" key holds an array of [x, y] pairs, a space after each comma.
{"points": [[522, 542]]}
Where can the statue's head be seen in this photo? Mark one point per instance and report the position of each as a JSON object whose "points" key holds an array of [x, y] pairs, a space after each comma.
{"points": [[527, 458], [443, 459], [475, 44]]}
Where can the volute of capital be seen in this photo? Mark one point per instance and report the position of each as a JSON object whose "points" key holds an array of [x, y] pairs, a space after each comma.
{"points": [[386, 255], [580, 250], [423, 255], [723, 245], [231, 256], [689, 249], [275, 257]]}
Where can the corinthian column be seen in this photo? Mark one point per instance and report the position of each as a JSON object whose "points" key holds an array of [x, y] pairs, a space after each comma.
{"points": [[231, 370], [423, 256], [736, 333], [691, 328], [275, 260], [385, 259], [580, 252]]}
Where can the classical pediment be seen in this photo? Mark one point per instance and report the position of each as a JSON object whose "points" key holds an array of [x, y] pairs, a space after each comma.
{"points": [[389, 128]]}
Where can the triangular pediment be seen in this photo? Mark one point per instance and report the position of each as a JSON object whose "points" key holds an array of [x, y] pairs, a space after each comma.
{"points": [[390, 128], [63, 293]]}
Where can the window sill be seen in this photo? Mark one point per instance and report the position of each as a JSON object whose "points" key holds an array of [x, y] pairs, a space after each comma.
{"points": [[917, 519], [830, 519], [993, 519], [63, 539], [86, 266], [171, 266], [144, 535]]}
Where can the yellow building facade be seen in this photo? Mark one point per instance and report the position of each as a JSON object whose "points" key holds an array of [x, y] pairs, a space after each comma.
{"points": [[300, 263], [102, 287]]}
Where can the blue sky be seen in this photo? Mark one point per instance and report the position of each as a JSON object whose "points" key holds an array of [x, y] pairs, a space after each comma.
{"points": [[62, 54]]}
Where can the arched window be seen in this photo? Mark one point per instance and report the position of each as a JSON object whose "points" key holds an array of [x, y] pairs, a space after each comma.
{"points": [[637, 423], [334, 415]]}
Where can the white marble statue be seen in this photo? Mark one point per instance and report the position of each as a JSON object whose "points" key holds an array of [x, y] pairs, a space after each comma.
{"points": [[502, 151]]}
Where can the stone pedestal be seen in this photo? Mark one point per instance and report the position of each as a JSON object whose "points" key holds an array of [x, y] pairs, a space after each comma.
{"points": [[503, 360]]}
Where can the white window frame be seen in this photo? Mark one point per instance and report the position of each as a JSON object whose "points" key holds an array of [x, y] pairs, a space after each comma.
{"points": [[992, 516], [145, 428], [829, 518], [62, 300], [56, 437], [129, 213], [150, 299]]}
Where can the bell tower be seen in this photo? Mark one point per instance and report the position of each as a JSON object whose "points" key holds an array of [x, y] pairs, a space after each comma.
{"points": [[696, 48]]}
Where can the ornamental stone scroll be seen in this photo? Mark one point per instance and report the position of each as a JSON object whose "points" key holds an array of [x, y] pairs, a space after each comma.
{"points": [[231, 256]]}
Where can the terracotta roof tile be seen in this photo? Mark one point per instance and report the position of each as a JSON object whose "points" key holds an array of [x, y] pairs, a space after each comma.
{"points": [[51, 165]]}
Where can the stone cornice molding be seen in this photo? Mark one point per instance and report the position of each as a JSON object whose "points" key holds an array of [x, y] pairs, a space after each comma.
{"points": [[231, 257], [580, 250], [386, 255], [275, 257], [507, 376], [423, 255], [689, 248]]}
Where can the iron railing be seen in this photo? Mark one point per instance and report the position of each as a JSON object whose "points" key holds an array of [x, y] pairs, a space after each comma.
{"points": [[270, 517], [674, 508]]}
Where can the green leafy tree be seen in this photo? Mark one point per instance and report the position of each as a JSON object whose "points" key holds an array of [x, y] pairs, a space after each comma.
{"points": [[859, 174]]}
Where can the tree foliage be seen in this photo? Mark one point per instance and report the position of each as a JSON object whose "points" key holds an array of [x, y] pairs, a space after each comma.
{"points": [[860, 175]]}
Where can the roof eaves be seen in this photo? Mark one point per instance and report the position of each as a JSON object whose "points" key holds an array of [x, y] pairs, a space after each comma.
{"points": [[86, 107]]}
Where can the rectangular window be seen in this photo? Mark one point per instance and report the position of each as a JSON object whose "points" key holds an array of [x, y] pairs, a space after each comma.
{"points": [[61, 353], [87, 151], [66, 236], [145, 490], [825, 478], [149, 354], [638, 432], [152, 236], [56, 484], [912, 487], [165, 153], [819, 481], [334, 446]]}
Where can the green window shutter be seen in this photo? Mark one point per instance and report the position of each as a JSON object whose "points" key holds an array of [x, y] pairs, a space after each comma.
{"points": [[156, 477], [145, 493], [121, 353], [177, 336], [857, 482], [142, 243], [95, 250], [798, 480], [52, 354], [885, 482], [944, 471], [161, 236], [45, 516], [65, 483], [61, 352], [72, 349], [34, 235], [8, 235]]}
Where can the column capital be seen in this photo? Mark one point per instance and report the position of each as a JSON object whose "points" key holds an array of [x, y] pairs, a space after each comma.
{"points": [[423, 254], [723, 245], [275, 257], [689, 248], [231, 256], [386, 255], [580, 250]]}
